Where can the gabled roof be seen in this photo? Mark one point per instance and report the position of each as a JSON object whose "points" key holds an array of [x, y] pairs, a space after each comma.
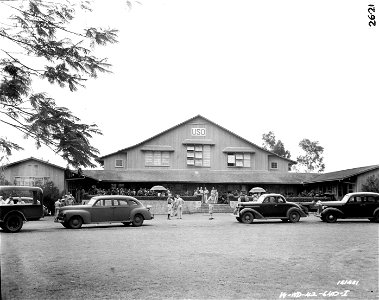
{"points": [[341, 175], [101, 159], [32, 158], [193, 176]]}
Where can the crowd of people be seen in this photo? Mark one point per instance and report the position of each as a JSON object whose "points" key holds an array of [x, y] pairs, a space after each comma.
{"points": [[127, 192], [66, 200], [174, 206], [12, 200]]}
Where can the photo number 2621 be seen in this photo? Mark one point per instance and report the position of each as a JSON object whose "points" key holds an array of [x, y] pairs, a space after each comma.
{"points": [[371, 16]]}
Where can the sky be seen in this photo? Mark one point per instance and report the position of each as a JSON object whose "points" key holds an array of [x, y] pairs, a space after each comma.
{"points": [[302, 69]]}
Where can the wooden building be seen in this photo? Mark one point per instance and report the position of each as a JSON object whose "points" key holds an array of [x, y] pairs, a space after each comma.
{"points": [[197, 152], [34, 172]]}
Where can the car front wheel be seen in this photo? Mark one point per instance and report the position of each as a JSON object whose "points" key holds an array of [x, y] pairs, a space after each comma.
{"points": [[137, 220], [330, 217], [376, 218], [75, 222], [294, 216], [247, 217]]}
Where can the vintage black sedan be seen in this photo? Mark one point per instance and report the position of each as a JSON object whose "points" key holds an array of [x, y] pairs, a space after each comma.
{"points": [[359, 205], [269, 206], [105, 209]]}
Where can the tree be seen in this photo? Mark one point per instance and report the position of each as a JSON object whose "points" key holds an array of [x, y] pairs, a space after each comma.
{"points": [[38, 43], [312, 160], [371, 184], [50, 195], [277, 147]]}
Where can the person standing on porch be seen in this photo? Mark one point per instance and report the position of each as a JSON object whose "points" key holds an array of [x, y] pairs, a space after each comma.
{"points": [[201, 193], [206, 193]]}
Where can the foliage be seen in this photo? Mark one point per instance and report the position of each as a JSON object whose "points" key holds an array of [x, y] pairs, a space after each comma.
{"points": [[3, 181], [371, 184], [50, 194], [277, 147], [312, 160], [38, 43]]}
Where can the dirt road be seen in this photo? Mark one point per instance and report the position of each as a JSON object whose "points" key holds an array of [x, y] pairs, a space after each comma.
{"points": [[192, 258]]}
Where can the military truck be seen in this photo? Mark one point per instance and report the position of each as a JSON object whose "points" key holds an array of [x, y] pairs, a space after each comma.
{"points": [[19, 204]]}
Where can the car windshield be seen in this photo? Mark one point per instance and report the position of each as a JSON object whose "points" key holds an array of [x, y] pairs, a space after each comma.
{"points": [[346, 197], [91, 201], [261, 198]]}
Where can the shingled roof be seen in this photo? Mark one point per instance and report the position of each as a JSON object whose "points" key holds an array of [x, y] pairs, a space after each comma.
{"points": [[35, 159], [193, 176], [341, 175]]}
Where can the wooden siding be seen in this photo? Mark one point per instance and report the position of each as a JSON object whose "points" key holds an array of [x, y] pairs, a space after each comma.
{"points": [[32, 168], [216, 136], [362, 178], [282, 164], [110, 162]]}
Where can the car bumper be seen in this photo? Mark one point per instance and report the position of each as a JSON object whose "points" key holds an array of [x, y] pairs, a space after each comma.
{"points": [[59, 219]]}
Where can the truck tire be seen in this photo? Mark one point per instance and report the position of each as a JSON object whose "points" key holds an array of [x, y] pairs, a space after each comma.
{"points": [[13, 223]]}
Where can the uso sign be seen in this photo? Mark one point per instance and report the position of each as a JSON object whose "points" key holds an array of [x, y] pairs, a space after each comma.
{"points": [[198, 132]]}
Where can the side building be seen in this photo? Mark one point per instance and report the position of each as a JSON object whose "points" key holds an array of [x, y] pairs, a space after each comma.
{"points": [[34, 172]]}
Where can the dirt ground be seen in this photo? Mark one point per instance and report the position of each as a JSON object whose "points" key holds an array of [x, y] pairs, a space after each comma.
{"points": [[192, 258]]}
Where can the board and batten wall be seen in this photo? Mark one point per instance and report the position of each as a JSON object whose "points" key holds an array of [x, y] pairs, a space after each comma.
{"points": [[178, 136], [32, 168]]}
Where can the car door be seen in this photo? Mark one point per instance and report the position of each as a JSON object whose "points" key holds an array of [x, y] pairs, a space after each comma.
{"points": [[354, 207], [369, 205], [102, 211], [268, 207], [281, 207], [121, 210]]}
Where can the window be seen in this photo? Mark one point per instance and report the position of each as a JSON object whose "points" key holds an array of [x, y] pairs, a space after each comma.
{"points": [[30, 180], [122, 202], [157, 158], [372, 199], [274, 165], [107, 202], [241, 160], [132, 202], [356, 199], [119, 163], [199, 155]]}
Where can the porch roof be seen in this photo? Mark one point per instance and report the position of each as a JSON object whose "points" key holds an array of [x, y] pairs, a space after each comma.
{"points": [[341, 175], [198, 176]]}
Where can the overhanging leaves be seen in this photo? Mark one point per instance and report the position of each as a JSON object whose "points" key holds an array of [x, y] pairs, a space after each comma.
{"points": [[41, 44]]}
